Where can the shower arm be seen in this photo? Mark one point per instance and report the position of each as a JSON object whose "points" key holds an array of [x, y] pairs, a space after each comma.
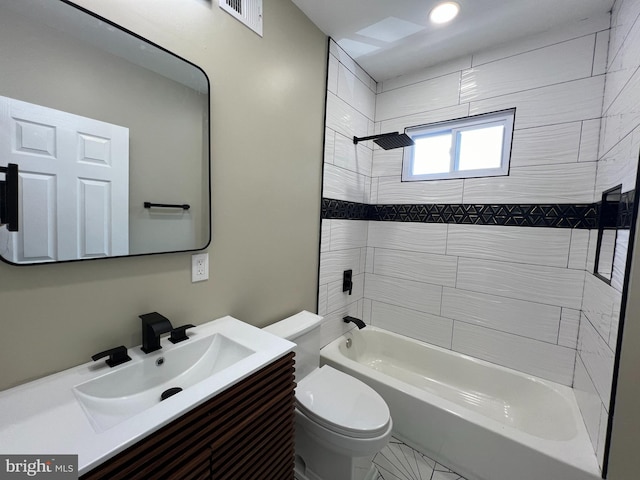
{"points": [[388, 141], [374, 137]]}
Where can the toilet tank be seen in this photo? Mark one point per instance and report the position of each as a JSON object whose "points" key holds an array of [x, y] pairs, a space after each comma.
{"points": [[303, 329]]}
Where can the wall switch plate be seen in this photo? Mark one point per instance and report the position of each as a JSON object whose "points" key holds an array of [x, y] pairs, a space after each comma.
{"points": [[199, 267]]}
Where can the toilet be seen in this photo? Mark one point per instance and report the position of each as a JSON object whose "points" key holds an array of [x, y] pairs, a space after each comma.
{"points": [[341, 423]]}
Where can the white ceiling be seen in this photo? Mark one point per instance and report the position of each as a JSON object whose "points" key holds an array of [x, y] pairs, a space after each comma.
{"points": [[393, 37]]}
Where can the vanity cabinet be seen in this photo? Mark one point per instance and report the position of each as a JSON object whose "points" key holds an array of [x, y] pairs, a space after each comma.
{"points": [[245, 432]]}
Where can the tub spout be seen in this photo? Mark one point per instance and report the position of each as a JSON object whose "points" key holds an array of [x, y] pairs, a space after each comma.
{"points": [[357, 321]]}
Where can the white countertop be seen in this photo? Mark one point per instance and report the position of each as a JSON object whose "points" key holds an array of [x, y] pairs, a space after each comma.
{"points": [[44, 417]]}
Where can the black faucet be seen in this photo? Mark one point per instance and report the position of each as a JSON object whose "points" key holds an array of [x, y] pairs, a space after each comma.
{"points": [[153, 325], [355, 320]]}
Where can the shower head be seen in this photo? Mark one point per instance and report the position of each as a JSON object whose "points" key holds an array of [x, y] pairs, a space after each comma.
{"points": [[388, 141]]}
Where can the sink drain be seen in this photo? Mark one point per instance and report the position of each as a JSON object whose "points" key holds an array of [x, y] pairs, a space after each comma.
{"points": [[170, 392]]}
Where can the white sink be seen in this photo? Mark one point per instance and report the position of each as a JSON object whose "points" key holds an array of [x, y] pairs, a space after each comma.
{"points": [[96, 412], [129, 389]]}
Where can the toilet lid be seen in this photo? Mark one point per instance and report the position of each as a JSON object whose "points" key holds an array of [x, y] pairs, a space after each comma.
{"points": [[342, 403]]}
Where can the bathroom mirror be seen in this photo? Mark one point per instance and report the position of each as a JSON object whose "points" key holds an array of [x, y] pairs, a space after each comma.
{"points": [[607, 233], [110, 135]]}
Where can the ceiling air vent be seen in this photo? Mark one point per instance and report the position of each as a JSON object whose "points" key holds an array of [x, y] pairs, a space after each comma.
{"points": [[248, 12]]}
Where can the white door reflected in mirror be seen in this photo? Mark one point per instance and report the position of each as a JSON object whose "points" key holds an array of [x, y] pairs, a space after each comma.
{"points": [[73, 184]]}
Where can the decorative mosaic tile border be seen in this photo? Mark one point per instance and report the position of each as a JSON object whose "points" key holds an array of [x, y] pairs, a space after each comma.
{"points": [[523, 215], [398, 461]]}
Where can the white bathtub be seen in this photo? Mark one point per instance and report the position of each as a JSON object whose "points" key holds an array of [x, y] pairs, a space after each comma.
{"points": [[484, 421]]}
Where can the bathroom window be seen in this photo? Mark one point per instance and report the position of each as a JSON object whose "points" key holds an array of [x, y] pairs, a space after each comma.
{"points": [[478, 146]]}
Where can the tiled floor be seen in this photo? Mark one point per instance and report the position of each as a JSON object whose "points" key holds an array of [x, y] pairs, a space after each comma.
{"points": [[398, 461]]}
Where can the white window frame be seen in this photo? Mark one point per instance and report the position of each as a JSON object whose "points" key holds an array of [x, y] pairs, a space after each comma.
{"points": [[454, 127]]}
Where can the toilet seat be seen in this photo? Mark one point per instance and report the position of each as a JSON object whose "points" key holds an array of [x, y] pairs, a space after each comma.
{"points": [[342, 403]]}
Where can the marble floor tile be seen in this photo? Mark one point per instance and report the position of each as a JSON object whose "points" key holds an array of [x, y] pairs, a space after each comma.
{"points": [[398, 461]]}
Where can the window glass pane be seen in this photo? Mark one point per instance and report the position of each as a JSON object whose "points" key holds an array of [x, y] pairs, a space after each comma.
{"points": [[432, 154], [480, 148]]}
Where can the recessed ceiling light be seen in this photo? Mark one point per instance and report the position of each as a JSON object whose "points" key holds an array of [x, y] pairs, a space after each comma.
{"points": [[444, 12]]}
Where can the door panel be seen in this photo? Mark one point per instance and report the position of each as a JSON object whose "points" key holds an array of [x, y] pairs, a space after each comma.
{"points": [[74, 175]]}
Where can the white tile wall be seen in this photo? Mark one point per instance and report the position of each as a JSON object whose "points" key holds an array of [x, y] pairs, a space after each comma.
{"points": [[589, 140], [615, 321], [343, 184], [435, 71], [623, 64], [542, 359], [569, 326], [415, 237], [356, 158], [392, 190], [421, 267], [538, 246], [351, 65], [428, 116], [337, 299], [557, 63], [565, 183], [333, 264], [439, 92], [419, 325], [588, 400], [323, 293], [355, 92], [563, 33], [620, 259], [369, 254], [618, 166], [549, 285], [623, 116], [559, 103], [597, 306], [347, 234], [623, 18], [602, 436], [546, 145], [598, 359], [527, 319], [329, 145], [347, 176], [345, 119], [619, 141], [386, 162], [579, 249], [332, 75], [420, 296], [325, 235]]}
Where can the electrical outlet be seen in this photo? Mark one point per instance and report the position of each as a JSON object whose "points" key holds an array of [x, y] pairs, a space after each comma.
{"points": [[199, 267]]}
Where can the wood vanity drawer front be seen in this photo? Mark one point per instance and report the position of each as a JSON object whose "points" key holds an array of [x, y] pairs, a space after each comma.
{"points": [[245, 433]]}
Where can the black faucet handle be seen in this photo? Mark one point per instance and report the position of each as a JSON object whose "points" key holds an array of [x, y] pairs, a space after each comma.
{"points": [[179, 334], [347, 281], [116, 356]]}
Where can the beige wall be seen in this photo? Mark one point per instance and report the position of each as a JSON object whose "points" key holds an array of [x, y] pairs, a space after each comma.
{"points": [[267, 104]]}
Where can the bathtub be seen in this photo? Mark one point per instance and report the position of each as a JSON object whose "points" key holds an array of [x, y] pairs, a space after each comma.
{"points": [[483, 421]]}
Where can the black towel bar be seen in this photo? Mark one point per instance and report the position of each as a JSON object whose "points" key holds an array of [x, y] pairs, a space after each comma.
{"points": [[184, 206]]}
